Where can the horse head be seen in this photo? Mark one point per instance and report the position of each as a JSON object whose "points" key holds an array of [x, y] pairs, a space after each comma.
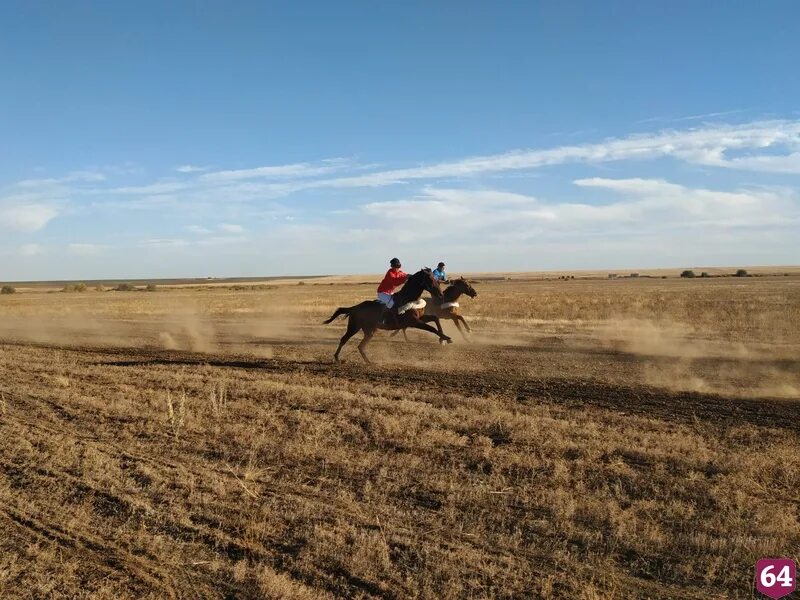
{"points": [[466, 287]]}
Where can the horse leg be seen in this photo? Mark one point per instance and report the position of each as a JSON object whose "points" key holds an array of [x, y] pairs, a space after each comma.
{"points": [[464, 321], [352, 329], [426, 327], [461, 331], [396, 331], [367, 337], [435, 319]]}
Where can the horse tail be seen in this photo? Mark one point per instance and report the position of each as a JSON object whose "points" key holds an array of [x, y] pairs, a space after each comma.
{"points": [[339, 311]]}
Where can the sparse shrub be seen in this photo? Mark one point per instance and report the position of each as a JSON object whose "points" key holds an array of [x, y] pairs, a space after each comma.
{"points": [[741, 273], [7, 289], [704, 274], [687, 274], [301, 283], [99, 288], [152, 287], [68, 288], [80, 287], [125, 287]]}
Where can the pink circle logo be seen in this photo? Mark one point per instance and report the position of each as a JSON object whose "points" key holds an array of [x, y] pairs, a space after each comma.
{"points": [[776, 577]]}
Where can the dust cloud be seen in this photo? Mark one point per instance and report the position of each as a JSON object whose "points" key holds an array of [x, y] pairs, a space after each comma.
{"points": [[168, 327], [675, 357]]}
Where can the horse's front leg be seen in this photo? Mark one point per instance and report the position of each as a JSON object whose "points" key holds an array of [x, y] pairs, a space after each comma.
{"points": [[396, 331], [457, 317], [435, 319], [418, 324], [460, 330]]}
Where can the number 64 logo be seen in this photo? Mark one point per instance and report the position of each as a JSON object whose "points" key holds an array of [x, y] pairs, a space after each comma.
{"points": [[776, 577]]}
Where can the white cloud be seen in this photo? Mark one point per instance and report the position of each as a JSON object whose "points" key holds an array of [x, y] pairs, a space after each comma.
{"points": [[163, 243], [434, 210], [765, 146], [705, 146], [787, 163], [700, 117], [222, 240], [25, 217], [73, 177], [645, 205], [296, 170], [157, 188], [83, 249], [30, 250], [670, 203]]}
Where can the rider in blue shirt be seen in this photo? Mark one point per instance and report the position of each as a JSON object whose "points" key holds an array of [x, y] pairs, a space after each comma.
{"points": [[439, 273]]}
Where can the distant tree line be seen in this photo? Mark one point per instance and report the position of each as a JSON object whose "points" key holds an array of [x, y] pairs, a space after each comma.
{"points": [[688, 274]]}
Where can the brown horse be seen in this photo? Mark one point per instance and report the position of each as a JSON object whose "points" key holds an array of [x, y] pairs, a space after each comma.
{"points": [[446, 307], [367, 316]]}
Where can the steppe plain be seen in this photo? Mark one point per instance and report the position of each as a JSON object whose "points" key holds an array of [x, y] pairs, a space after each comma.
{"points": [[594, 438]]}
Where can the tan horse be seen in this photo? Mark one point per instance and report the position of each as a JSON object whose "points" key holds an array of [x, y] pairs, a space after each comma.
{"points": [[447, 307]]}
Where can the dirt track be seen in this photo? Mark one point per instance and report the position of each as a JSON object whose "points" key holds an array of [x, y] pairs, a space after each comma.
{"points": [[641, 400]]}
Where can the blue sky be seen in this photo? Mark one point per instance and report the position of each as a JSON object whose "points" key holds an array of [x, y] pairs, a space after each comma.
{"points": [[230, 139]]}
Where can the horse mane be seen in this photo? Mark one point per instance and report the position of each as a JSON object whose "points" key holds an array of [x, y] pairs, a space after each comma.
{"points": [[401, 294]]}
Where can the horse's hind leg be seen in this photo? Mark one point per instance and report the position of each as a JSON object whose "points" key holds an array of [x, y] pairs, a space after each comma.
{"points": [[352, 329], [367, 337]]}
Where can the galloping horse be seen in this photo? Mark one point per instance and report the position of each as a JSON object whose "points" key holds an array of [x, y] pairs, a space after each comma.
{"points": [[446, 307], [367, 315]]}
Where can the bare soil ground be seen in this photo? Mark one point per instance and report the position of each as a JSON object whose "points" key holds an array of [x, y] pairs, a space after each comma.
{"points": [[594, 439]]}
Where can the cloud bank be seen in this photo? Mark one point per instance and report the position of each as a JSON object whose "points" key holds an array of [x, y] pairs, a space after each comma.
{"points": [[324, 207]]}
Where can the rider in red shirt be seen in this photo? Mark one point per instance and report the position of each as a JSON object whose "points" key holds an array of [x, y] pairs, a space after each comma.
{"points": [[393, 278]]}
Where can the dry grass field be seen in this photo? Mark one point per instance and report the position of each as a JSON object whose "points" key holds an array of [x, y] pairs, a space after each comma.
{"points": [[631, 438]]}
